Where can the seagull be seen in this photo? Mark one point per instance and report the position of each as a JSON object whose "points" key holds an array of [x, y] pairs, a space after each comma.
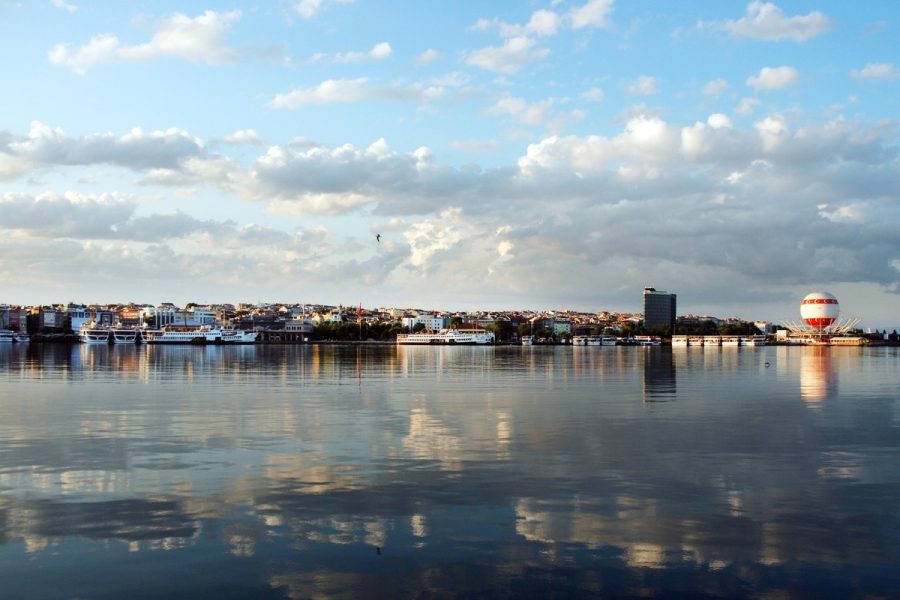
{"points": [[378, 237]]}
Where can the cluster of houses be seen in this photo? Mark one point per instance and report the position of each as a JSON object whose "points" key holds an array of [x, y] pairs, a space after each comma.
{"points": [[298, 322]]}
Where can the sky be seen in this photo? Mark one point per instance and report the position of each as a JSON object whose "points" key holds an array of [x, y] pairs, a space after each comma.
{"points": [[512, 155]]}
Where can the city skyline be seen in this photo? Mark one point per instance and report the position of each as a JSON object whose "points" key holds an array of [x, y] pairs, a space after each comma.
{"points": [[549, 155]]}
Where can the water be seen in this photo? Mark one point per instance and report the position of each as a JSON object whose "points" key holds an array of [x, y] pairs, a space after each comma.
{"points": [[403, 472]]}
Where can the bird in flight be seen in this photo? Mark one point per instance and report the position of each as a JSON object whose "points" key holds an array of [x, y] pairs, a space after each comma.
{"points": [[378, 237]]}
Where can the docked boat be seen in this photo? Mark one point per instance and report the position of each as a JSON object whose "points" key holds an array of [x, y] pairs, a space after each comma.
{"points": [[527, 340], [679, 341], [126, 336], [22, 338], [753, 340], [731, 340], [448, 336], [593, 340], [199, 336], [7, 336], [95, 335], [648, 340]]}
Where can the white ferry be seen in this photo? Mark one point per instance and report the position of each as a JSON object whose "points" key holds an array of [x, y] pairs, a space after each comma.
{"points": [[648, 340], [92, 335], [199, 336], [448, 336], [679, 340], [126, 336], [7, 336], [593, 340], [753, 340], [527, 340], [731, 340]]}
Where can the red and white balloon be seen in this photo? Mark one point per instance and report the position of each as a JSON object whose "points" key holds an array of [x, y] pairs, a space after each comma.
{"points": [[819, 309]]}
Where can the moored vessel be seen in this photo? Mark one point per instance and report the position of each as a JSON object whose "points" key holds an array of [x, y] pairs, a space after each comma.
{"points": [[199, 336], [448, 336]]}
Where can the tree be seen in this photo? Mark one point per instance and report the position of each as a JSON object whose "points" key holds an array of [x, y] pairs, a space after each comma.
{"points": [[455, 322], [418, 327]]}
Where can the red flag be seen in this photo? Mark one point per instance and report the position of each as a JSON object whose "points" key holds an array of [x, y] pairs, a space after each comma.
{"points": [[359, 310]]}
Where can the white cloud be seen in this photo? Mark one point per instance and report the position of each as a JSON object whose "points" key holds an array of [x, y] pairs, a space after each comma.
{"points": [[429, 237], [591, 14], [198, 39], [774, 78], [379, 51], [333, 91], [715, 87], [138, 149], [765, 21], [643, 86], [747, 106], [245, 137], [63, 5], [428, 57], [509, 58], [594, 94], [718, 121], [328, 92], [542, 23], [307, 9], [535, 113], [877, 71]]}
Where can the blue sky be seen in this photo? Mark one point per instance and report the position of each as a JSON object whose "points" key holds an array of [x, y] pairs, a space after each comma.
{"points": [[512, 155]]}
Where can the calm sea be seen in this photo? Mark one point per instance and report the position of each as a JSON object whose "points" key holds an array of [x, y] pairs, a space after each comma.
{"points": [[403, 472]]}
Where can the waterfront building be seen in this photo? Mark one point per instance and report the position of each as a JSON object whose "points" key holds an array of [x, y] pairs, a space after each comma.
{"points": [[77, 317], [659, 310]]}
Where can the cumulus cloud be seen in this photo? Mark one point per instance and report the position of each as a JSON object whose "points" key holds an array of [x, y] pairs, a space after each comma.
{"points": [[877, 71], [765, 21], [643, 86], [63, 5], [542, 23], [535, 113], [138, 149], [515, 53], [379, 51], [824, 194], [715, 87], [199, 39], [427, 57], [333, 91], [591, 14], [774, 78], [244, 137], [594, 94], [747, 106], [310, 8]]}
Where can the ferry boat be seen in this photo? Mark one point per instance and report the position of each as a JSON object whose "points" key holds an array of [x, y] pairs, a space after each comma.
{"points": [[593, 340], [648, 340], [95, 335], [679, 341], [199, 336], [527, 340], [7, 336], [753, 340], [448, 336], [731, 340], [126, 336]]}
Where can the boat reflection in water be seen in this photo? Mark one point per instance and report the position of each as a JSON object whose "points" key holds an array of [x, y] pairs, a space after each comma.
{"points": [[332, 471]]}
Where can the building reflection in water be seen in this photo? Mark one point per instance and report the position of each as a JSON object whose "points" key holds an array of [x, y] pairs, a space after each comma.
{"points": [[659, 375]]}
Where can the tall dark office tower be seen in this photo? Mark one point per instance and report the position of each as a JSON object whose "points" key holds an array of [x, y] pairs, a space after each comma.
{"points": [[659, 310]]}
